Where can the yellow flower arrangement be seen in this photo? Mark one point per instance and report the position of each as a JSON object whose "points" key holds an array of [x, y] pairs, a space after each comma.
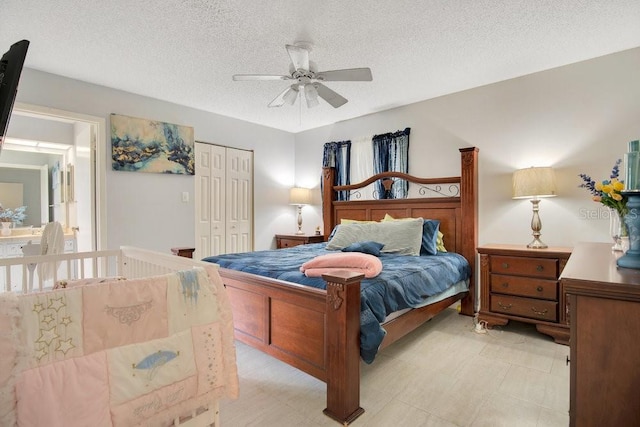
{"points": [[608, 191]]}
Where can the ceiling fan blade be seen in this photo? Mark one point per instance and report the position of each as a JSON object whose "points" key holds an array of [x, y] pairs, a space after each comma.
{"points": [[330, 96], [288, 95], [241, 77], [348, 75], [299, 57]]}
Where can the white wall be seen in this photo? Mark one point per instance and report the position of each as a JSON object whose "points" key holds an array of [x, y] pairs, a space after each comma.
{"points": [[578, 119], [145, 209]]}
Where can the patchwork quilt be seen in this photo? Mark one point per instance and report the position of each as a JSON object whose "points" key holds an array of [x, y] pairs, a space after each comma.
{"points": [[117, 353]]}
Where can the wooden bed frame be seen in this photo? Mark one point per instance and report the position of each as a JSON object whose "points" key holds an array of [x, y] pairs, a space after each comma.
{"points": [[326, 344]]}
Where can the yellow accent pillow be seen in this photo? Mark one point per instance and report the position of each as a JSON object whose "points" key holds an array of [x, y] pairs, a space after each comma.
{"points": [[353, 221], [440, 242]]}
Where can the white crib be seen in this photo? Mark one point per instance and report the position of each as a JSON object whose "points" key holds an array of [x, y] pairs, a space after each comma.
{"points": [[23, 275]]}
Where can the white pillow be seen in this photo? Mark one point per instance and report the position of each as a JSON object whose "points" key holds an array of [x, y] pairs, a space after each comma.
{"points": [[398, 237]]}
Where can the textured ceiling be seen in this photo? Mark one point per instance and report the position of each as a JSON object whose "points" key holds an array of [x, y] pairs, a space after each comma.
{"points": [[185, 51]]}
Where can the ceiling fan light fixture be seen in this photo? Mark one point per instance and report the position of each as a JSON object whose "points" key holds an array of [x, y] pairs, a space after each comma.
{"points": [[311, 94], [307, 78], [291, 95]]}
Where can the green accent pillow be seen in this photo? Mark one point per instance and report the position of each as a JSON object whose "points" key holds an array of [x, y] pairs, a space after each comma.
{"points": [[398, 237], [430, 225]]}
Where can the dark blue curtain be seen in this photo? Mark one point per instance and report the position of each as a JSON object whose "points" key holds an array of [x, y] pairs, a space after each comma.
{"points": [[391, 153], [338, 156]]}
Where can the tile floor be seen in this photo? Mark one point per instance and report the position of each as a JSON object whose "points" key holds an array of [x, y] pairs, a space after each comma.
{"points": [[443, 374]]}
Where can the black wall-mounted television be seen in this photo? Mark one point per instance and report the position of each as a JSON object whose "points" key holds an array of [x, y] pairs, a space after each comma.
{"points": [[10, 70]]}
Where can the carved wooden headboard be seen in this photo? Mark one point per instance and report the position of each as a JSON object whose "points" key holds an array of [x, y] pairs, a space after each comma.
{"points": [[458, 213]]}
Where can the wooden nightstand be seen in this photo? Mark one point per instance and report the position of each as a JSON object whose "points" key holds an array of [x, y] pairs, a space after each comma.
{"points": [[517, 283], [291, 240]]}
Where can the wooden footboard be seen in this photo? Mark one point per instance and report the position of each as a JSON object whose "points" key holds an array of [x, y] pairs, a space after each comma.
{"points": [[314, 330]]}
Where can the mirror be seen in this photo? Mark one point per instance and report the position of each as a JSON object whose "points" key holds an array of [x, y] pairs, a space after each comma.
{"points": [[37, 176]]}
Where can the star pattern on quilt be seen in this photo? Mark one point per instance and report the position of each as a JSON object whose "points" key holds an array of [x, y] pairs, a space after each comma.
{"points": [[41, 352], [65, 345], [56, 303], [53, 320], [48, 318], [47, 335]]}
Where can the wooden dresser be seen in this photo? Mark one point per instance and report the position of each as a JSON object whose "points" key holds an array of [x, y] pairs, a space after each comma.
{"points": [[604, 311], [517, 283], [291, 240]]}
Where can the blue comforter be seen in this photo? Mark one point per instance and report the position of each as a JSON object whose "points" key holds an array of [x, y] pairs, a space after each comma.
{"points": [[405, 282]]}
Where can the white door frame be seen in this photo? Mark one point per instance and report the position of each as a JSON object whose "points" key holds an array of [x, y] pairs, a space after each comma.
{"points": [[97, 159]]}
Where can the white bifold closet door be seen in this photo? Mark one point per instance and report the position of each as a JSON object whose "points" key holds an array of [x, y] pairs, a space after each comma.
{"points": [[224, 200]]}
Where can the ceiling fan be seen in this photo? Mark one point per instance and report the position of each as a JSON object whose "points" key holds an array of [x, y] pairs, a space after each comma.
{"points": [[308, 80]]}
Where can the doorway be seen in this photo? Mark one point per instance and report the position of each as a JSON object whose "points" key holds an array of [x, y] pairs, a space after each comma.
{"points": [[82, 170]]}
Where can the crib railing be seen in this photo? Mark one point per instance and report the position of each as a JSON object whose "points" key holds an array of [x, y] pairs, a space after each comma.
{"points": [[41, 272]]}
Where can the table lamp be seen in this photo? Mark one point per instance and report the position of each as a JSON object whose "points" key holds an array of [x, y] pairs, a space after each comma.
{"points": [[300, 197], [534, 183]]}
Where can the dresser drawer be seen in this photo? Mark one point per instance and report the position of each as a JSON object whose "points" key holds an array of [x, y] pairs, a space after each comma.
{"points": [[289, 243], [524, 286], [525, 307], [525, 266]]}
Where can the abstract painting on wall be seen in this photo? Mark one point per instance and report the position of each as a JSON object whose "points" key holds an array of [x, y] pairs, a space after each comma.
{"points": [[141, 145]]}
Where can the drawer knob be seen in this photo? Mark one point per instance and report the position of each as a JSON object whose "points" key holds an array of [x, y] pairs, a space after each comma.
{"points": [[540, 313], [505, 307], [568, 360], [505, 285], [505, 265], [539, 289], [540, 268]]}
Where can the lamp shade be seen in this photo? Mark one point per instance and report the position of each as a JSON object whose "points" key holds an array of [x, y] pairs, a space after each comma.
{"points": [[300, 196], [534, 182]]}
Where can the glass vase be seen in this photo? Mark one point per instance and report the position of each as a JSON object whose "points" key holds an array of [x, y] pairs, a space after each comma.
{"points": [[6, 228], [617, 230]]}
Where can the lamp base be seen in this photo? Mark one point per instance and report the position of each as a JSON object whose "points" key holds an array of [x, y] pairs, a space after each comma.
{"points": [[537, 244], [536, 226], [299, 232]]}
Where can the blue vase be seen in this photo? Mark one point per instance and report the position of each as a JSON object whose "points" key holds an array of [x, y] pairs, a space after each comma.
{"points": [[631, 259]]}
